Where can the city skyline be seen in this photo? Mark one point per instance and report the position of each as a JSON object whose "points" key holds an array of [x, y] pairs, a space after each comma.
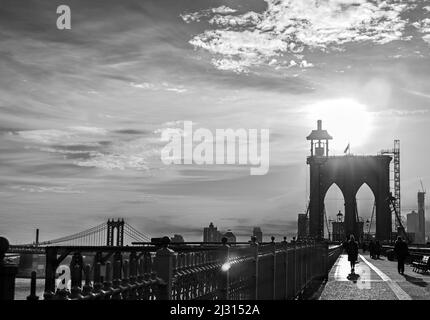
{"points": [[82, 110]]}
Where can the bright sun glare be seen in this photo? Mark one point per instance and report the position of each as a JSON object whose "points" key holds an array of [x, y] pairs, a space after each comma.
{"points": [[346, 120]]}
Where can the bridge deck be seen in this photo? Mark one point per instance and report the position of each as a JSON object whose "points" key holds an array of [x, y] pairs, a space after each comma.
{"points": [[375, 280]]}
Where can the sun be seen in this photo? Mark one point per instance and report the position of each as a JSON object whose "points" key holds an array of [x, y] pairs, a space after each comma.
{"points": [[345, 119]]}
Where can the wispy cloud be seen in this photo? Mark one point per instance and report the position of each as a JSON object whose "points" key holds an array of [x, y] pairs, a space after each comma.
{"points": [[96, 147], [83, 110], [423, 27], [162, 86], [291, 27], [40, 189], [196, 16], [68, 136]]}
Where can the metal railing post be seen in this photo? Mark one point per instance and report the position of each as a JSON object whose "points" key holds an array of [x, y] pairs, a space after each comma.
{"points": [[295, 268], [305, 258], [314, 252], [87, 288], [76, 282], [299, 267], [116, 282], [224, 273], [125, 280], [133, 276], [33, 296], [254, 245], [76, 267], [326, 260], [7, 273], [50, 269], [286, 267], [273, 268], [164, 263]]}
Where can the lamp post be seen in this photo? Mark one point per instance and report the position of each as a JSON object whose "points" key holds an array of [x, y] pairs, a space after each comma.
{"points": [[368, 230], [339, 216], [339, 227]]}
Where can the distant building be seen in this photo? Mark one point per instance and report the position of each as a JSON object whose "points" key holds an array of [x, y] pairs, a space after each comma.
{"points": [[302, 226], [412, 225], [412, 222], [416, 221], [420, 236], [411, 236], [177, 238], [211, 234], [231, 238], [258, 234]]}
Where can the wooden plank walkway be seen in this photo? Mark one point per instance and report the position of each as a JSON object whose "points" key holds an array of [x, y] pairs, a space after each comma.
{"points": [[374, 280]]}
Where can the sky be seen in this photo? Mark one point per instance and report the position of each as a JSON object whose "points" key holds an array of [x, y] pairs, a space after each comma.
{"points": [[82, 110]]}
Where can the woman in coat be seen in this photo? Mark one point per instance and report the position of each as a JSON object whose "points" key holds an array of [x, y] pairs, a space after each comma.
{"points": [[352, 252]]}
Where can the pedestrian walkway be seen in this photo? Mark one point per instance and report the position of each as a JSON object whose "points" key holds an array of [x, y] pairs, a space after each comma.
{"points": [[374, 280]]}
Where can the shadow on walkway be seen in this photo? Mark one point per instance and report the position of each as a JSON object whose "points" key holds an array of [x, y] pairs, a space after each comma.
{"points": [[416, 281], [353, 277]]}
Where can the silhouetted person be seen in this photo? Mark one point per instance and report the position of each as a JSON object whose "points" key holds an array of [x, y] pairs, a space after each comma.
{"points": [[345, 245], [352, 252], [372, 249], [401, 251], [377, 249]]}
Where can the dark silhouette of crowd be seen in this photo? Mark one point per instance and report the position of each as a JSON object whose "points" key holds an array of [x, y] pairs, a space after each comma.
{"points": [[375, 249]]}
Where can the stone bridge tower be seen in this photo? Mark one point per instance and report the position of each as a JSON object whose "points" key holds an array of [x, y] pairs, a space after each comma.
{"points": [[349, 173]]}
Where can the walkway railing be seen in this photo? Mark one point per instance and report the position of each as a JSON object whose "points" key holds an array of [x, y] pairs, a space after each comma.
{"points": [[416, 252], [167, 271]]}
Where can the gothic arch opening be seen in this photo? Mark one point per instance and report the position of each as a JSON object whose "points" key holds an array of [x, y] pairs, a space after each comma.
{"points": [[366, 210], [334, 203]]}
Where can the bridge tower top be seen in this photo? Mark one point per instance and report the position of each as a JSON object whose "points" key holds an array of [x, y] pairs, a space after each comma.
{"points": [[113, 225], [319, 141]]}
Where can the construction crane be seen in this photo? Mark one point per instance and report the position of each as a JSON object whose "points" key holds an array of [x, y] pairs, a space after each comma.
{"points": [[371, 219], [395, 152], [326, 223], [422, 186], [400, 228]]}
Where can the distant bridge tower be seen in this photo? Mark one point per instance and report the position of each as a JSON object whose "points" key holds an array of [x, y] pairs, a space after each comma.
{"points": [[117, 226], [349, 173]]}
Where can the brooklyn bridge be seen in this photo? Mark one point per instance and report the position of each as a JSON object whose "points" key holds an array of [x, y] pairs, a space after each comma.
{"points": [[113, 260]]}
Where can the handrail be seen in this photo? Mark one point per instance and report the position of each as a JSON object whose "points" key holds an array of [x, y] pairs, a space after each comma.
{"points": [[272, 270]]}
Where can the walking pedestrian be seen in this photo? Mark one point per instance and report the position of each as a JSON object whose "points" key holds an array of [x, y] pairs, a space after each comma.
{"points": [[352, 253], [372, 249], [401, 251], [378, 248]]}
